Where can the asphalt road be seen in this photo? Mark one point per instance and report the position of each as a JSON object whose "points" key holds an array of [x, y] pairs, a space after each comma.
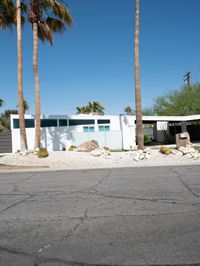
{"points": [[138, 216]]}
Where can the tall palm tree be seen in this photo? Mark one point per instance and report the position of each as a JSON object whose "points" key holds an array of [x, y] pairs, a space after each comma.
{"points": [[23, 140], [138, 104], [46, 17], [8, 15]]}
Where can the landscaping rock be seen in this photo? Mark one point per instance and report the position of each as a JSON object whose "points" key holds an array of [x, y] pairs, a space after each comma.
{"points": [[88, 146], [140, 155], [100, 152]]}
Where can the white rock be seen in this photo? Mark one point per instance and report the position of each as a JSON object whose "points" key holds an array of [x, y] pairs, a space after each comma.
{"points": [[147, 150], [188, 156]]}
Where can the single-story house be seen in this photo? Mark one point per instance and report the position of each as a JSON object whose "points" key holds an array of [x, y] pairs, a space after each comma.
{"points": [[114, 131]]}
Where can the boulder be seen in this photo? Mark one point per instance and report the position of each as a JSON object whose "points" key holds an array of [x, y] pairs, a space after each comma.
{"points": [[88, 146]]}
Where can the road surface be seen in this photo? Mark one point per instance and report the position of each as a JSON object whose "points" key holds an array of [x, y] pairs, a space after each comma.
{"points": [[138, 216]]}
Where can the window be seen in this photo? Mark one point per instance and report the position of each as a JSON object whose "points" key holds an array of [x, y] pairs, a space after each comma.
{"points": [[103, 121], [48, 123], [29, 123], [88, 129], [62, 122], [104, 128], [77, 122]]}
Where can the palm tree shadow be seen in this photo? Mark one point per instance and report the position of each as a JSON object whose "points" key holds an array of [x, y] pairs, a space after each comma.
{"points": [[56, 138]]}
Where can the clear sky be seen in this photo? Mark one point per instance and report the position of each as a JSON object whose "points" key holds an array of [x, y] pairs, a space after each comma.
{"points": [[94, 59]]}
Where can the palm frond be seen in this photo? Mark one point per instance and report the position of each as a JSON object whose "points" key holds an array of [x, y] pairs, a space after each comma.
{"points": [[56, 25], [45, 32]]}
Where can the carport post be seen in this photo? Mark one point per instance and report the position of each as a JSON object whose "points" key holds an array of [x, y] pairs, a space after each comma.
{"points": [[183, 126]]}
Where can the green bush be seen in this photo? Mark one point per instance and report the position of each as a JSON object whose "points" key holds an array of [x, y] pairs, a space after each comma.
{"points": [[165, 150], [106, 148], [42, 153], [147, 139]]}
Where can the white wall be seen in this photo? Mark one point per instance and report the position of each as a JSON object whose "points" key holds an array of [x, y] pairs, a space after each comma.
{"points": [[127, 123], [57, 138]]}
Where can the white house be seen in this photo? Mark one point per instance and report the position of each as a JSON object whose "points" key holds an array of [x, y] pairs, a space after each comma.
{"points": [[114, 131]]}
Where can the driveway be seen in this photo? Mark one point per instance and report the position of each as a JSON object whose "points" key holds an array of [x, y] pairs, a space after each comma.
{"points": [[129, 216]]}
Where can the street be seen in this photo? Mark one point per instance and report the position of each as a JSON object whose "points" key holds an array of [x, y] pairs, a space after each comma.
{"points": [[129, 216]]}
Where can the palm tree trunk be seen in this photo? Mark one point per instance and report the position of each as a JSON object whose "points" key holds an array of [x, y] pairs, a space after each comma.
{"points": [[23, 140], [138, 104], [37, 85]]}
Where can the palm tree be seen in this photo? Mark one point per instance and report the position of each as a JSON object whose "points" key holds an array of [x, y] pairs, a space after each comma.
{"points": [[8, 14], [128, 110], [94, 107], [46, 17], [23, 140], [26, 106], [138, 104], [1, 102]]}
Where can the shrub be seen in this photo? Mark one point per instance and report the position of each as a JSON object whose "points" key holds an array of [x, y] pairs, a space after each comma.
{"points": [[42, 153], [106, 148], [72, 148], [197, 148], [165, 150], [147, 139]]}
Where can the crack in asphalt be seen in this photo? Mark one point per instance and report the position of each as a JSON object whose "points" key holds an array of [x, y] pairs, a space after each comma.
{"points": [[38, 260], [186, 186]]}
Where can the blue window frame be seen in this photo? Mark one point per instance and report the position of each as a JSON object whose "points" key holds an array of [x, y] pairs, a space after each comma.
{"points": [[104, 128], [88, 129]]}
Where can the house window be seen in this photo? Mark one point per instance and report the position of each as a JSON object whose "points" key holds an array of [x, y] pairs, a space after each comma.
{"points": [[62, 122], [48, 123], [88, 129], [104, 128], [78, 122], [29, 123], [103, 121]]}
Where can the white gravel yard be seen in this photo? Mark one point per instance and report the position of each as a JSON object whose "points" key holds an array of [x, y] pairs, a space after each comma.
{"points": [[83, 160]]}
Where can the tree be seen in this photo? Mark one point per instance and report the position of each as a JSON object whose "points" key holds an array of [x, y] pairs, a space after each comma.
{"points": [[9, 16], [149, 111], [1, 102], [138, 104], [5, 119], [128, 110], [46, 17], [94, 107], [23, 139], [179, 102], [26, 106]]}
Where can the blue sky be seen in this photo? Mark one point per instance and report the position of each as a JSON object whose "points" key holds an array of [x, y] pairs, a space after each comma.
{"points": [[94, 59]]}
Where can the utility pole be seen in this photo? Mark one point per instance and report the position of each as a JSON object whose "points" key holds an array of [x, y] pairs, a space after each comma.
{"points": [[187, 78]]}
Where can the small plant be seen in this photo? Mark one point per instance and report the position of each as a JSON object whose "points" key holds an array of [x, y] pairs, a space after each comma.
{"points": [[147, 139], [165, 150], [72, 148], [63, 149], [42, 153], [106, 148], [197, 148]]}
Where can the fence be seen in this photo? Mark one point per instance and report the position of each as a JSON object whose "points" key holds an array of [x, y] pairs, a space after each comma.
{"points": [[5, 142]]}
